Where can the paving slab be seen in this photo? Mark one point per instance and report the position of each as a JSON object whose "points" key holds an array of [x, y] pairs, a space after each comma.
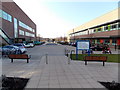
{"points": [[58, 73]]}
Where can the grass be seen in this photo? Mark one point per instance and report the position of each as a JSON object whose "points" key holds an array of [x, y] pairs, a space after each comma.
{"points": [[111, 57]]}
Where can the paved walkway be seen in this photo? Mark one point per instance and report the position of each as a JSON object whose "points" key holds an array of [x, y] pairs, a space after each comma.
{"points": [[58, 73]]}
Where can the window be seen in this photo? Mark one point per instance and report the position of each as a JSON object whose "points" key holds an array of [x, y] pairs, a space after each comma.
{"points": [[106, 41], [4, 15], [0, 13], [106, 28], [25, 26], [29, 34], [9, 18], [99, 29], [15, 28], [21, 32], [114, 26], [114, 41], [33, 30]]}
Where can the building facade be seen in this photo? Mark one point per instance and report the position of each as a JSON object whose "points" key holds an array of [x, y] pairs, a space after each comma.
{"points": [[102, 30], [16, 24]]}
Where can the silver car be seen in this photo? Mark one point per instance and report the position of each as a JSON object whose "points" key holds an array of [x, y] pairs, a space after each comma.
{"points": [[21, 47], [10, 49]]}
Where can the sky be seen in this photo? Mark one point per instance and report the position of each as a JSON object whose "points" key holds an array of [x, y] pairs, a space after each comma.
{"points": [[54, 18]]}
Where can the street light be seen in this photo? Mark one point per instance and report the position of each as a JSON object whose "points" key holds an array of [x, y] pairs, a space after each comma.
{"points": [[74, 35]]}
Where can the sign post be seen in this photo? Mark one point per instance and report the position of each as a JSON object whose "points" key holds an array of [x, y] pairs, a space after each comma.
{"points": [[82, 45]]}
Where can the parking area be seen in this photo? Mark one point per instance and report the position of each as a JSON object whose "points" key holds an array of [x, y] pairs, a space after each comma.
{"points": [[58, 73]]}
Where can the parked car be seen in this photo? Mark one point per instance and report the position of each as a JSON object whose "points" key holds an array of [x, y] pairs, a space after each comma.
{"points": [[97, 48], [29, 45], [21, 47], [37, 43], [73, 44], [10, 49]]}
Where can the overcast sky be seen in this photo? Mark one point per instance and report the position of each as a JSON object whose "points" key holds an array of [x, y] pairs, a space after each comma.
{"points": [[55, 17]]}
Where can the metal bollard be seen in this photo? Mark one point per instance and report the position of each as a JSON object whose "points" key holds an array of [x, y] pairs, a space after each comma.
{"points": [[68, 58], [71, 53], [46, 58], [65, 51]]}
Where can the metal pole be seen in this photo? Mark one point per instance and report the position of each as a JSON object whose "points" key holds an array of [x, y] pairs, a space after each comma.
{"points": [[68, 58], [65, 51], [71, 53], [46, 58]]}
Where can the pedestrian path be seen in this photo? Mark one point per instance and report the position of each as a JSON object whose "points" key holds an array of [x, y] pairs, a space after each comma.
{"points": [[59, 74]]}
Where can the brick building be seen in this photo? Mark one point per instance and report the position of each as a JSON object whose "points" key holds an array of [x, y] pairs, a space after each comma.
{"points": [[16, 25]]}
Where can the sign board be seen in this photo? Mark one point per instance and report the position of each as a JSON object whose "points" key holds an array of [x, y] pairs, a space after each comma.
{"points": [[83, 45]]}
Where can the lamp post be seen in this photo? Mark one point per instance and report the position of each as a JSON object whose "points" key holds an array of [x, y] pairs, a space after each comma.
{"points": [[74, 35]]}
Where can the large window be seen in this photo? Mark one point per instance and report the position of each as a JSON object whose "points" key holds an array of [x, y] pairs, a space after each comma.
{"points": [[29, 34], [21, 32], [26, 26], [5, 15], [9, 18]]}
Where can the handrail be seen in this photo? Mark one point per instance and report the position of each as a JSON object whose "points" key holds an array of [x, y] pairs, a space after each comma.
{"points": [[5, 36]]}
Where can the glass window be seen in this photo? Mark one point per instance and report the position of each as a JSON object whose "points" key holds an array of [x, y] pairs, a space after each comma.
{"points": [[25, 26], [0, 13], [4, 15], [21, 32], [15, 28], [33, 30], [9, 18], [99, 29], [29, 34], [106, 28]]}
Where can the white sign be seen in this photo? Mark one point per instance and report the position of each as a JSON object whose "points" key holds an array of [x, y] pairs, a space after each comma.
{"points": [[83, 45]]}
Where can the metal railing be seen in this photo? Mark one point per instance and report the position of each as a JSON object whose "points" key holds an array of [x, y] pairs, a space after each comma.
{"points": [[4, 35]]}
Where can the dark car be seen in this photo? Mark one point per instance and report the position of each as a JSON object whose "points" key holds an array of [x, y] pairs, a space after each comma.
{"points": [[10, 49], [97, 48], [73, 44], [21, 47]]}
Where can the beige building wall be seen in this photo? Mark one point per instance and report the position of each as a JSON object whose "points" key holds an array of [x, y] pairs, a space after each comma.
{"points": [[108, 17]]}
